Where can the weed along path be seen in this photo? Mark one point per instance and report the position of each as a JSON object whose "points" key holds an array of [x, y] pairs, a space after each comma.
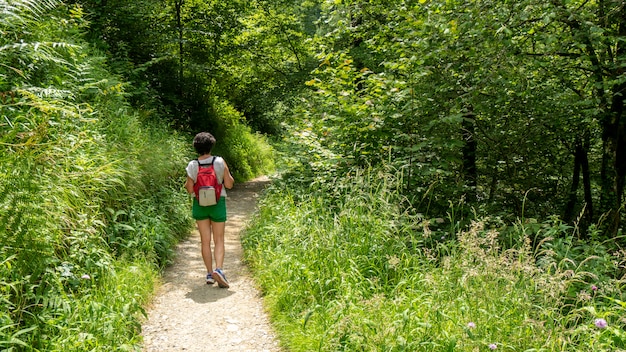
{"points": [[189, 315]]}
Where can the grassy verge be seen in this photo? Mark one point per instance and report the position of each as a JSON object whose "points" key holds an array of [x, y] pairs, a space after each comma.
{"points": [[345, 268], [89, 216], [91, 189]]}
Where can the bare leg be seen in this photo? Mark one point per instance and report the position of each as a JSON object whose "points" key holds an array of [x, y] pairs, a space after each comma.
{"points": [[218, 239], [204, 227]]}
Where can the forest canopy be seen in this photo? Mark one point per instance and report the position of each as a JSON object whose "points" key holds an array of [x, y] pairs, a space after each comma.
{"points": [[513, 107], [510, 111]]}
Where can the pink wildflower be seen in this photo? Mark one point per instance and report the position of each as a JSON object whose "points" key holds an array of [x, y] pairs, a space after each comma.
{"points": [[601, 323], [493, 346]]}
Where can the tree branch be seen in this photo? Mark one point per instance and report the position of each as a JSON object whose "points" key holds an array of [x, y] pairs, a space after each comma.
{"points": [[553, 54]]}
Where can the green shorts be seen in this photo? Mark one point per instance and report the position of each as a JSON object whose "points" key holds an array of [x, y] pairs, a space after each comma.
{"points": [[216, 213]]}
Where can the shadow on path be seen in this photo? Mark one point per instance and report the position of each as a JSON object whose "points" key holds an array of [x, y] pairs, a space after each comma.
{"points": [[187, 313]]}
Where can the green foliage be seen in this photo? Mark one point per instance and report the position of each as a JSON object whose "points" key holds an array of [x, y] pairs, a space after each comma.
{"points": [[482, 101], [419, 117], [189, 54], [90, 190], [271, 60], [247, 154], [358, 273], [464, 109]]}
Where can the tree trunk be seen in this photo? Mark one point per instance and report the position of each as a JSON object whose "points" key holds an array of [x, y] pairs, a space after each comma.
{"points": [[470, 172], [613, 170], [586, 186], [614, 161], [620, 138], [581, 165], [570, 207], [178, 5], [614, 139]]}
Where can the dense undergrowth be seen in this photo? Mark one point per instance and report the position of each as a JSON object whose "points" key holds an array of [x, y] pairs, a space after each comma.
{"points": [[91, 195], [345, 267], [91, 207]]}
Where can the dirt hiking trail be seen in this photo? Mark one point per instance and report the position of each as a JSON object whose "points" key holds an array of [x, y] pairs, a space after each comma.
{"points": [[189, 315]]}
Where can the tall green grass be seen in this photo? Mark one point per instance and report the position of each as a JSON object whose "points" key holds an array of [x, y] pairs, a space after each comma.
{"points": [[87, 220], [248, 154], [91, 199], [91, 189], [344, 267]]}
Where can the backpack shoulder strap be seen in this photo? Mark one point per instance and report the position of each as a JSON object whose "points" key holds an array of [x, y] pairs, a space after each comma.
{"points": [[207, 164]]}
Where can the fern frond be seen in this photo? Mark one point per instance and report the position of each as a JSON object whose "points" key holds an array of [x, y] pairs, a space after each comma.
{"points": [[19, 72], [49, 92], [39, 98], [37, 46], [21, 11], [41, 51], [36, 7], [8, 13]]}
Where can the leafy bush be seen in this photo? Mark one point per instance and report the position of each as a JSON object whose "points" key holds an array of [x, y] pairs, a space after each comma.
{"points": [[91, 198], [247, 154], [344, 267]]}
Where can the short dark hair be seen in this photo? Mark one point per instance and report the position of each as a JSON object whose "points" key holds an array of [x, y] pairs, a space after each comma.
{"points": [[203, 142]]}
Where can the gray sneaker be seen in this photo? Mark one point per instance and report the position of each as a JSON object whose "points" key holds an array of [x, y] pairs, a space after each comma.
{"points": [[219, 276], [209, 279]]}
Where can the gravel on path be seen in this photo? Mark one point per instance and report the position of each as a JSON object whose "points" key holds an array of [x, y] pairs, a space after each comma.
{"points": [[189, 315]]}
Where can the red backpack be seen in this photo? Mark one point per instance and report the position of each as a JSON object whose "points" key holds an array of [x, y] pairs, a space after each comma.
{"points": [[207, 188]]}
